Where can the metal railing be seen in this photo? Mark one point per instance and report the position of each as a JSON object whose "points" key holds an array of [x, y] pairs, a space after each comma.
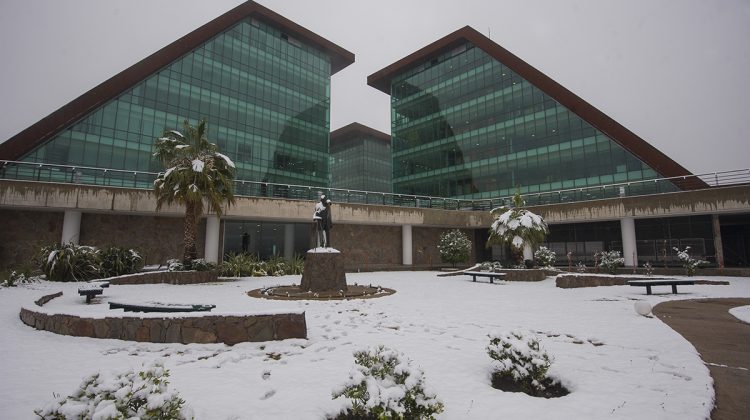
{"points": [[44, 172]]}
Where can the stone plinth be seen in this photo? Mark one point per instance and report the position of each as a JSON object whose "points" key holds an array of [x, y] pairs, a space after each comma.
{"points": [[324, 271]]}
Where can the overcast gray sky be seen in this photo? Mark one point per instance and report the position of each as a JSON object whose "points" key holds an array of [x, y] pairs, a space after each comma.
{"points": [[675, 72]]}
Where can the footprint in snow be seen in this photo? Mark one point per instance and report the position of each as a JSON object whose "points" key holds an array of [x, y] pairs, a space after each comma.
{"points": [[268, 394]]}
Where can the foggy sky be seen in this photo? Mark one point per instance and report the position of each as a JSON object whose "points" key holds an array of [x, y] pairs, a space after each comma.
{"points": [[675, 72]]}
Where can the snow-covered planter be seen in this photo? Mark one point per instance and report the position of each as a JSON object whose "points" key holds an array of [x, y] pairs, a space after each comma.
{"points": [[521, 365], [610, 261], [383, 386], [517, 227], [491, 266], [545, 257], [454, 247], [143, 395], [689, 263]]}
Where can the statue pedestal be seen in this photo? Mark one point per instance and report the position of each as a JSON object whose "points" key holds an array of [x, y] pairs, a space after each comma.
{"points": [[324, 271]]}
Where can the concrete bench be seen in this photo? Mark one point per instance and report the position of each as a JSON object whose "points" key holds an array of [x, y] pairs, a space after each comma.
{"points": [[660, 282], [90, 292], [491, 276], [160, 307]]}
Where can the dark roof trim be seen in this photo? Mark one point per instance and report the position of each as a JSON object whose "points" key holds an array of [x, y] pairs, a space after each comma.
{"points": [[657, 160], [357, 129], [25, 141]]}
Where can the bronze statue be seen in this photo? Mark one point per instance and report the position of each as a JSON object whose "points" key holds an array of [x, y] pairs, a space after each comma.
{"points": [[323, 222]]}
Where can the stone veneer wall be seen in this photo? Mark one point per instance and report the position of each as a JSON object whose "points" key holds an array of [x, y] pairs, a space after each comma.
{"points": [[157, 238], [25, 233], [169, 277], [569, 282], [231, 329]]}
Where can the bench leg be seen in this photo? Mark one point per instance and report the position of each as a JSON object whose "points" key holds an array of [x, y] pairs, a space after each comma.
{"points": [[648, 289], [674, 288], [474, 278], [88, 298], [492, 280]]}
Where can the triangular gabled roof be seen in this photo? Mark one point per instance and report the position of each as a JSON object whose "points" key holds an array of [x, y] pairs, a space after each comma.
{"points": [[647, 153], [25, 141]]}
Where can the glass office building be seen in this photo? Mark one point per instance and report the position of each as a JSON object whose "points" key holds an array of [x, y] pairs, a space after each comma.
{"points": [[360, 159], [470, 120], [261, 82]]}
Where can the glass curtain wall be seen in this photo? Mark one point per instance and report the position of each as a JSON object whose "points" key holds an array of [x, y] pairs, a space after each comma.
{"points": [[264, 94], [466, 126], [361, 163]]}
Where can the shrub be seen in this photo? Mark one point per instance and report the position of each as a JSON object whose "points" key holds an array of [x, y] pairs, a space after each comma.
{"points": [[238, 265], [382, 386], [14, 278], [689, 263], [581, 267], [116, 261], [247, 265], [649, 268], [175, 265], [545, 257], [142, 395], [200, 264], [610, 260], [491, 266], [520, 359], [454, 247], [70, 262]]}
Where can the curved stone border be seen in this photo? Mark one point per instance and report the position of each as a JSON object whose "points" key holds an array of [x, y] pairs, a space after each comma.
{"points": [[168, 277], [228, 329]]}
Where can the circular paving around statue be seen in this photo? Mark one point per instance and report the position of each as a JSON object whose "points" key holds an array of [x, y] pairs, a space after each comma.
{"points": [[294, 292]]}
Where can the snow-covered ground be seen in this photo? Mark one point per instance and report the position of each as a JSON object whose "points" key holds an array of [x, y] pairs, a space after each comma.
{"points": [[616, 363]]}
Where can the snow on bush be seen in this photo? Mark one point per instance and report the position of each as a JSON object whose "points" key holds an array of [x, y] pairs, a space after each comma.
{"points": [[519, 357], [454, 247], [610, 260], [16, 278], [517, 227], [382, 385], [70, 262], [116, 261], [491, 266], [128, 395], [689, 263], [545, 257]]}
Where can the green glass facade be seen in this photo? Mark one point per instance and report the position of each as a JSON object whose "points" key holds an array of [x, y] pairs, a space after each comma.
{"points": [[466, 126], [264, 94], [361, 162]]}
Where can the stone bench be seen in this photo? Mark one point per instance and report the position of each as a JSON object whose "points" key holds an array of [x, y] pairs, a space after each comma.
{"points": [[491, 276], [661, 282]]}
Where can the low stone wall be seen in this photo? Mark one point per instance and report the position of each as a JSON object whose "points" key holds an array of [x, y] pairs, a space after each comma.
{"points": [[569, 281], [524, 275], [169, 277], [229, 329]]}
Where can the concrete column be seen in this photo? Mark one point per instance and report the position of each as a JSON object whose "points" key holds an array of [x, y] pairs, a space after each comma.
{"points": [[71, 231], [289, 241], [406, 244], [717, 240], [212, 238], [627, 229]]}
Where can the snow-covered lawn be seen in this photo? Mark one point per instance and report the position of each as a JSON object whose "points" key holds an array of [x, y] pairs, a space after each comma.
{"points": [[616, 363]]}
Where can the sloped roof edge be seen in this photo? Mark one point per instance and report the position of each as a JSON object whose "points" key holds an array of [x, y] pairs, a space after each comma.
{"points": [[25, 141], [644, 151], [357, 128]]}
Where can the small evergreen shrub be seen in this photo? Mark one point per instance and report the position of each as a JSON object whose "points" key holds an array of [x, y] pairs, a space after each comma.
{"points": [[383, 386], [545, 257], [143, 395], [520, 364], [581, 267], [249, 265], [116, 261], [70, 262], [610, 260], [649, 268], [454, 247], [689, 263], [491, 266], [15, 278], [175, 265], [238, 265], [200, 264]]}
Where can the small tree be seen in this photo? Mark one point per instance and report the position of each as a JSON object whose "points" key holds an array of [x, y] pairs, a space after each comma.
{"points": [[545, 257], [195, 172], [454, 247], [517, 227], [689, 263], [610, 261], [520, 359]]}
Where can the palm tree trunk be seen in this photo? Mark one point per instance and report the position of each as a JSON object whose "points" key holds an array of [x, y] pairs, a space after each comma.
{"points": [[190, 232]]}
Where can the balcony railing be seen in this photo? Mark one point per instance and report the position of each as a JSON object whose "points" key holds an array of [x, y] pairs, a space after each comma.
{"points": [[43, 172]]}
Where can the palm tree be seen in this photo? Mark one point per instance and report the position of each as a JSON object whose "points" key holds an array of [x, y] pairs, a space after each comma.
{"points": [[517, 227], [195, 172]]}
